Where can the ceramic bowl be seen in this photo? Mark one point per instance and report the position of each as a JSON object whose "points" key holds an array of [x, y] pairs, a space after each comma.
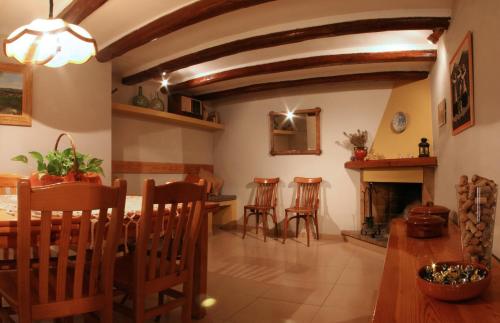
{"points": [[453, 293]]}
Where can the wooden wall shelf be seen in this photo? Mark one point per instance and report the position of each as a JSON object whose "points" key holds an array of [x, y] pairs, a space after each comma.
{"points": [[166, 117], [393, 163]]}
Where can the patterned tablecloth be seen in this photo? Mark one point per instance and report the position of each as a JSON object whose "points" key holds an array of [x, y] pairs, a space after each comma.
{"points": [[133, 205]]}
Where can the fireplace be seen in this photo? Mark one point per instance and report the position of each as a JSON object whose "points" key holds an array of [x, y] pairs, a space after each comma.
{"points": [[386, 201], [396, 185]]}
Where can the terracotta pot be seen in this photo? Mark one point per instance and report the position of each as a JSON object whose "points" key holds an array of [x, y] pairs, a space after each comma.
{"points": [[38, 179], [91, 178], [424, 226], [431, 209], [453, 293], [360, 153]]}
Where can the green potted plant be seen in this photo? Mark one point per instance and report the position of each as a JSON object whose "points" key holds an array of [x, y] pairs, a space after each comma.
{"points": [[63, 166], [358, 140]]}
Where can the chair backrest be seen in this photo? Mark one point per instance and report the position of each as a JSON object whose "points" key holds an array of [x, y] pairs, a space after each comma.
{"points": [[266, 191], [8, 183], [168, 233], [93, 245], [307, 192]]}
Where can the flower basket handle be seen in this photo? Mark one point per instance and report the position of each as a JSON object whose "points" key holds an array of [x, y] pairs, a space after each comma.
{"points": [[73, 148]]}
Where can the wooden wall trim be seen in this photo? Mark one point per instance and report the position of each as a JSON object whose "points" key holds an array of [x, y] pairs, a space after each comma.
{"points": [[377, 76], [305, 63], [288, 37], [78, 10], [138, 167], [188, 15]]}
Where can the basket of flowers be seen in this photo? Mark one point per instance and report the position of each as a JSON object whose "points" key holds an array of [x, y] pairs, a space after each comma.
{"points": [[67, 165]]}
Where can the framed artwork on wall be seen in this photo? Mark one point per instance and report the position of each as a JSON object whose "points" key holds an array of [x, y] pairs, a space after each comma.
{"points": [[462, 87], [15, 94], [442, 113]]}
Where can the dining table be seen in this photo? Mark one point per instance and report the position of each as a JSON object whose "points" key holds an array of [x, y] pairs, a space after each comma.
{"points": [[133, 204]]}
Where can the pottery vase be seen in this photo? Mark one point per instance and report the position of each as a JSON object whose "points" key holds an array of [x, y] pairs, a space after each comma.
{"points": [[140, 100], [157, 103]]}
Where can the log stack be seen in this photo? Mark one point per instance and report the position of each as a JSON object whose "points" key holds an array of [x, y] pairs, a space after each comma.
{"points": [[476, 207]]}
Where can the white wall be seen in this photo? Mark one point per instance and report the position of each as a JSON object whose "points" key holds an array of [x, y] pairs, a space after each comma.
{"points": [[242, 151], [74, 99], [152, 141], [476, 150]]}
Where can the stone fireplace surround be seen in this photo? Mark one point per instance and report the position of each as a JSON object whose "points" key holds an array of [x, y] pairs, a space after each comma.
{"points": [[389, 175]]}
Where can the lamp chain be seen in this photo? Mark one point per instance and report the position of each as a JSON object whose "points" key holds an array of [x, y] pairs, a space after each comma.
{"points": [[51, 9]]}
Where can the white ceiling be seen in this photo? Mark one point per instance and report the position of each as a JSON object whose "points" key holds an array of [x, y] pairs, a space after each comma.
{"points": [[118, 17], [16, 13]]}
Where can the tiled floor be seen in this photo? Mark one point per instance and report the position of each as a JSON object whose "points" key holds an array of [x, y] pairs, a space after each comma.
{"points": [[256, 282]]}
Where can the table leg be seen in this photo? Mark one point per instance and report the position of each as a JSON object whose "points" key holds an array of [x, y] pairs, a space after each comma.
{"points": [[200, 271]]}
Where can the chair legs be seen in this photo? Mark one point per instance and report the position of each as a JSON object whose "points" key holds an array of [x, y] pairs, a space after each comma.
{"points": [[260, 216], [307, 218], [187, 307], [245, 222], [316, 224]]}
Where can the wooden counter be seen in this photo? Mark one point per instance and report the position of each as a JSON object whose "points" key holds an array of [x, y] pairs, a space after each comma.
{"points": [[399, 298]]}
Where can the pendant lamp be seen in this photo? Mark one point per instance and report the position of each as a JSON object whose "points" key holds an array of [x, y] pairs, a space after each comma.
{"points": [[50, 42]]}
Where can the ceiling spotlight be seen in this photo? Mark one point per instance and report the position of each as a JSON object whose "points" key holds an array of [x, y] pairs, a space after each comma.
{"points": [[290, 115], [164, 82]]}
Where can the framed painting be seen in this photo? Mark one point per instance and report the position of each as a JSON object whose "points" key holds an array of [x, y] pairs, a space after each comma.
{"points": [[15, 94], [462, 87], [442, 113]]}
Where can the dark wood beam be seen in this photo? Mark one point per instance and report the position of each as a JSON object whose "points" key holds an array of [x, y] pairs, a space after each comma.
{"points": [[78, 10], [288, 37], [436, 34], [377, 76], [189, 15], [305, 63]]}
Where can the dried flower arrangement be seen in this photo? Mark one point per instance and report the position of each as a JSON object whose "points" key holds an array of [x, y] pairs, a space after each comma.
{"points": [[358, 139]]}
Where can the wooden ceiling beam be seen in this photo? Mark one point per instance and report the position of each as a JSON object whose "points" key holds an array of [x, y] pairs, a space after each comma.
{"points": [[305, 63], [78, 10], [188, 15], [374, 77], [289, 37]]}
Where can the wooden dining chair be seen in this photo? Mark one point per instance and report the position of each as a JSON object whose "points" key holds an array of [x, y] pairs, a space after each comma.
{"points": [[8, 186], [80, 279], [306, 205], [8, 183], [164, 255], [265, 204]]}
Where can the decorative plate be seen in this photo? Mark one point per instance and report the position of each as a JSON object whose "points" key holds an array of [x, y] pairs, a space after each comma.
{"points": [[399, 122]]}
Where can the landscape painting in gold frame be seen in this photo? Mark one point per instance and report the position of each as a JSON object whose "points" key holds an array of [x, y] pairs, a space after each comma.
{"points": [[15, 94], [462, 87]]}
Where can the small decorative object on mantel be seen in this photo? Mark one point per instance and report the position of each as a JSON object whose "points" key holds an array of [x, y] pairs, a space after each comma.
{"points": [[453, 281], [423, 148], [140, 100], [476, 210], [462, 87], [64, 166], [156, 103], [399, 122], [358, 140]]}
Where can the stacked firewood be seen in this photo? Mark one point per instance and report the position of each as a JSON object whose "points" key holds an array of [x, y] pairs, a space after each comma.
{"points": [[477, 202]]}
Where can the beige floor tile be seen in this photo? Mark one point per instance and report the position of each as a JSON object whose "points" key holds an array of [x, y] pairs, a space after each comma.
{"points": [[312, 273], [271, 311], [300, 292], [368, 277], [336, 314], [352, 296]]}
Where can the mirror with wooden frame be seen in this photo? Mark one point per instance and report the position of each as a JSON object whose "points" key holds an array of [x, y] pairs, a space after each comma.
{"points": [[295, 133]]}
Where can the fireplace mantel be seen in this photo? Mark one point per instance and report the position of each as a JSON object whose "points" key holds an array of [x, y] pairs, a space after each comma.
{"points": [[393, 163]]}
